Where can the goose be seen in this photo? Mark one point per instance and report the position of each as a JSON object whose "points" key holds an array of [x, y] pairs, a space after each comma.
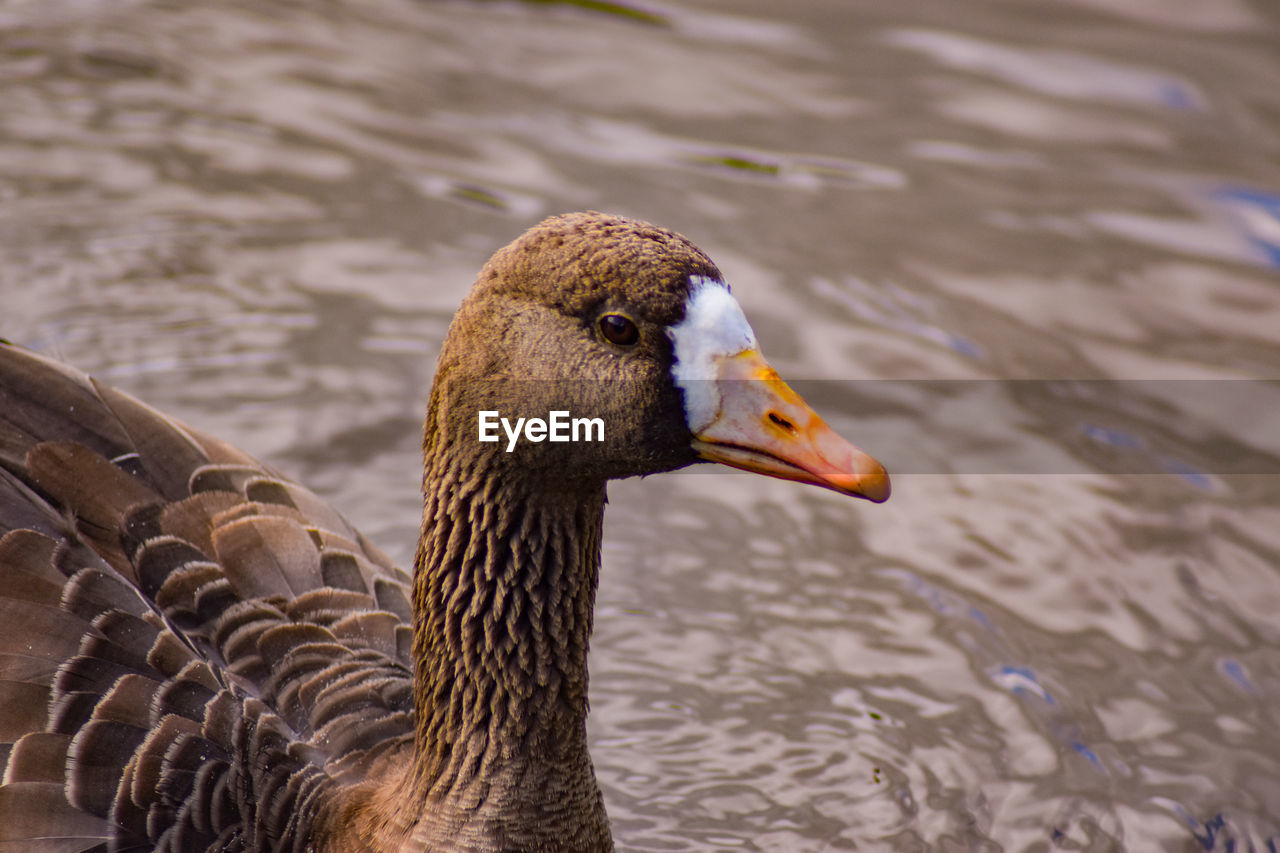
{"points": [[198, 654]]}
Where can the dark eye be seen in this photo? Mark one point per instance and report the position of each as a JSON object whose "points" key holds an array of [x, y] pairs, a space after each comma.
{"points": [[619, 330]]}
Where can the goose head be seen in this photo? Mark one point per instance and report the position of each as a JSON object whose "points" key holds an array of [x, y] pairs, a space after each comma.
{"points": [[630, 330]]}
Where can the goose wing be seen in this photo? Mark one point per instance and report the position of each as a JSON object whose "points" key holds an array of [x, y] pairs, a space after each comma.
{"points": [[194, 651]]}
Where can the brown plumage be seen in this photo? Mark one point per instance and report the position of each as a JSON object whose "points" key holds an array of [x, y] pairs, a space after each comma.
{"points": [[196, 654]]}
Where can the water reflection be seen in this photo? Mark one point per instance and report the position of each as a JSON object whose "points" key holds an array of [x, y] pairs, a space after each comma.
{"points": [[1059, 633]]}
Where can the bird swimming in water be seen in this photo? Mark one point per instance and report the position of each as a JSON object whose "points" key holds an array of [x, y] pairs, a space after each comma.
{"points": [[197, 654]]}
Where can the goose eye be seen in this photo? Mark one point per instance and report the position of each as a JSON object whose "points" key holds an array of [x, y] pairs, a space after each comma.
{"points": [[618, 329]]}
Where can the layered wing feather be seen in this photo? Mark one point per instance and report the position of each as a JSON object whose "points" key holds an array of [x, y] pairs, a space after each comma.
{"points": [[194, 652]]}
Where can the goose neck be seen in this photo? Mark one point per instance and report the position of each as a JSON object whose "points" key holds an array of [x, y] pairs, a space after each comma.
{"points": [[505, 582]]}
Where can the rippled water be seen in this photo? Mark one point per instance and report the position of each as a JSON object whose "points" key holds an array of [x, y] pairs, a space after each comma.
{"points": [[1061, 632]]}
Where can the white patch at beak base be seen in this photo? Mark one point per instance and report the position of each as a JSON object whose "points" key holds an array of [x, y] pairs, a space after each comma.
{"points": [[714, 327]]}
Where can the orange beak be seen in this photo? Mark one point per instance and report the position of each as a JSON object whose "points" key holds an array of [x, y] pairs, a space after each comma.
{"points": [[765, 427]]}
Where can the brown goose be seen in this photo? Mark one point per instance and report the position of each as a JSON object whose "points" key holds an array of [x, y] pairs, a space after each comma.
{"points": [[197, 654]]}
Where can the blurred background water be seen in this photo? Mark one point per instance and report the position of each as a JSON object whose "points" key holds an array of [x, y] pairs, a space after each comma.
{"points": [[1060, 633]]}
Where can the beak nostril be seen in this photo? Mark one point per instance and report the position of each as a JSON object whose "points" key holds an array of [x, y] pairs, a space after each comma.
{"points": [[779, 420]]}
